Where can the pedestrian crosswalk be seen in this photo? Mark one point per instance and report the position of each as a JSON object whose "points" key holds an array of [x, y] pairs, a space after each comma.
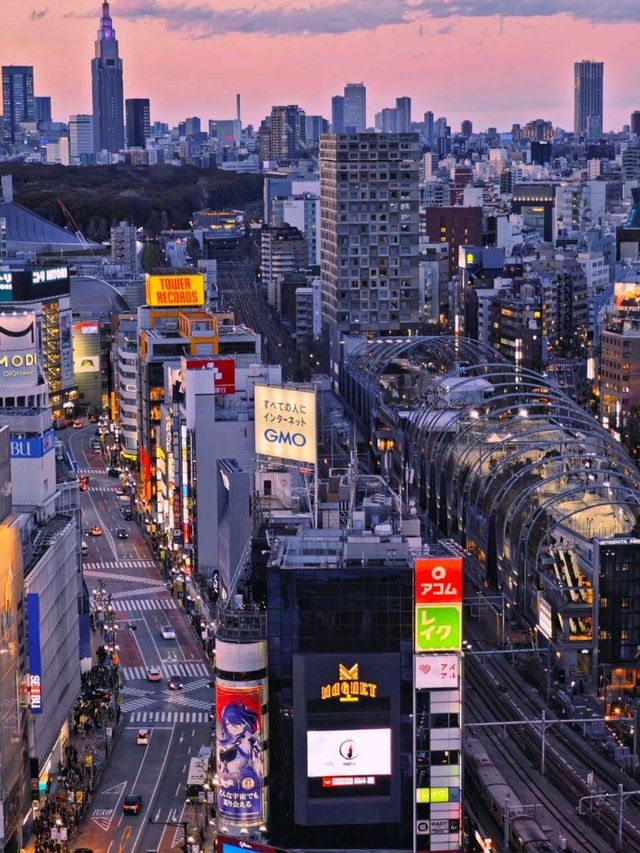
{"points": [[179, 699], [106, 565], [153, 588], [186, 670], [150, 717], [110, 576], [137, 704], [144, 604], [92, 471], [103, 490]]}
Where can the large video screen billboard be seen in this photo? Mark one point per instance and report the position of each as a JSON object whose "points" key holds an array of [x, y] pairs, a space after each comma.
{"points": [[239, 753], [354, 752]]}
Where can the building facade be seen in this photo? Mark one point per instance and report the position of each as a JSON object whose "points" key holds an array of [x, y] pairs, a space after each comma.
{"points": [[588, 99], [138, 122], [106, 78], [18, 104]]}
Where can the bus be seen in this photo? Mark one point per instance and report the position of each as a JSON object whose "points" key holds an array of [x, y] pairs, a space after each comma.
{"points": [[198, 774]]}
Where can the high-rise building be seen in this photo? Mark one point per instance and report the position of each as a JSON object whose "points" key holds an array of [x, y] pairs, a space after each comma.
{"points": [[428, 127], [18, 103], [403, 110], [138, 122], [337, 114], [588, 99], [355, 108], [635, 122], [287, 133], [192, 126], [106, 78], [369, 250], [81, 135], [466, 128], [315, 127], [42, 108]]}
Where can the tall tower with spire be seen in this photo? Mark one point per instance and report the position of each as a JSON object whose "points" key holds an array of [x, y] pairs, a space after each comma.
{"points": [[106, 78]]}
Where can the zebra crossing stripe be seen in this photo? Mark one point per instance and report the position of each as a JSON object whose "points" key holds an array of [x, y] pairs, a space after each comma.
{"points": [[168, 717], [186, 670], [178, 699], [145, 604], [120, 564], [132, 578]]}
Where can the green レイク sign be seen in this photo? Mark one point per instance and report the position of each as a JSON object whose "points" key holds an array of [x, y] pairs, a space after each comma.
{"points": [[438, 628]]}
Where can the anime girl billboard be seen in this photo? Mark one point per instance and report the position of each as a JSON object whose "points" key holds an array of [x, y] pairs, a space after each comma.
{"points": [[239, 759]]}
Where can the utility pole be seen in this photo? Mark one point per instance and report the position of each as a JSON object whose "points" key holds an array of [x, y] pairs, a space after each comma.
{"points": [[506, 825]]}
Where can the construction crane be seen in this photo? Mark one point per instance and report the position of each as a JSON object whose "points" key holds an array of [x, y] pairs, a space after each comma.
{"points": [[73, 225]]}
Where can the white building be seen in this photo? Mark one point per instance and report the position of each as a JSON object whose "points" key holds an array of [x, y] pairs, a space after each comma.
{"points": [[80, 135]]}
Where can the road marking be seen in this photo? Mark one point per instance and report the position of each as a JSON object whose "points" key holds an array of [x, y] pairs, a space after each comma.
{"points": [[104, 817], [185, 670], [112, 577], [155, 787], [199, 704], [126, 835], [173, 717], [144, 604]]}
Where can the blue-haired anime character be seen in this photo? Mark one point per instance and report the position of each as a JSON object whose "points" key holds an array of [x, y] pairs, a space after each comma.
{"points": [[240, 757]]}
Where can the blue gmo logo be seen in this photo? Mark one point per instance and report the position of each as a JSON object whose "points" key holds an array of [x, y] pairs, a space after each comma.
{"points": [[296, 439]]}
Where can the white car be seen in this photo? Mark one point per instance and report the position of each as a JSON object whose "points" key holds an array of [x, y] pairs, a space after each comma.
{"points": [[154, 673], [142, 738], [167, 632]]}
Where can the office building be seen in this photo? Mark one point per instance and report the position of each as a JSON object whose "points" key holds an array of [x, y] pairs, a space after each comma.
{"points": [[124, 402], [226, 131], [123, 245], [106, 79], [315, 126], [192, 126], [355, 108], [631, 163], [369, 247], [428, 127], [284, 249], [466, 128], [18, 105], [403, 111], [588, 99], [42, 108], [138, 123], [635, 122], [456, 226], [302, 212], [81, 136], [337, 114], [538, 129]]}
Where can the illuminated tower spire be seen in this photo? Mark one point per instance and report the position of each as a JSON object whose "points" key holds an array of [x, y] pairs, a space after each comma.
{"points": [[106, 30]]}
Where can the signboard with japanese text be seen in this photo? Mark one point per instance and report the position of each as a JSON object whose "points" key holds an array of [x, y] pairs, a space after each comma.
{"points": [[239, 753], [175, 291], [437, 671], [285, 423], [223, 372], [438, 628], [439, 580]]}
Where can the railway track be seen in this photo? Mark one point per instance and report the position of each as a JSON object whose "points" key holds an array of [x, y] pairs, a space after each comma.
{"points": [[481, 708], [569, 759]]}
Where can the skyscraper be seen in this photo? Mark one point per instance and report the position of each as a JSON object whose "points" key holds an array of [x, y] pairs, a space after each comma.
{"points": [[287, 133], [635, 122], [138, 122], [81, 135], [18, 104], [588, 98], [337, 114], [355, 108], [43, 108], [369, 250], [106, 78], [403, 111]]}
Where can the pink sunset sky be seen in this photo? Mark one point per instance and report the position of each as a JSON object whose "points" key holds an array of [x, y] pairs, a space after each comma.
{"points": [[493, 61]]}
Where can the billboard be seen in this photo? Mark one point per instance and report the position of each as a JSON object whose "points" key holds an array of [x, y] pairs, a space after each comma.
{"points": [[35, 665], [437, 671], [224, 377], [348, 753], [285, 423], [33, 448], [86, 364], [35, 283], [438, 628], [439, 580], [239, 753], [175, 291], [18, 349]]}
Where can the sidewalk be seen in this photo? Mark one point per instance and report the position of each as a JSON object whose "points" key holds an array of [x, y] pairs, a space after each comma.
{"points": [[86, 755]]}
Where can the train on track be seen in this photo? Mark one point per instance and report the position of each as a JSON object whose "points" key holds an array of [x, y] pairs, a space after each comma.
{"points": [[525, 834]]}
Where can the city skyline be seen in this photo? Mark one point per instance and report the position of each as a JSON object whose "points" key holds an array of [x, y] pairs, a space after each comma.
{"points": [[271, 56]]}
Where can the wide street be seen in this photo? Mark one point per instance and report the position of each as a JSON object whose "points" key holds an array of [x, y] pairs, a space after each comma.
{"points": [[178, 720]]}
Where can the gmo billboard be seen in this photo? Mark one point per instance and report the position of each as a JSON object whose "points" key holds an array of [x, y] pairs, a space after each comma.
{"points": [[285, 423]]}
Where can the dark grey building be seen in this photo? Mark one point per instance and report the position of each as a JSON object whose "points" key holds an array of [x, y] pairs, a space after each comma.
{"points": [[337, 114], [588, 98], [42, 108], [106, 78], [17, 99], [138, 122]]}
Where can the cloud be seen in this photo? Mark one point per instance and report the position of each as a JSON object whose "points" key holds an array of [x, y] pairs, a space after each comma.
{"points": [[202, 20], [38, 14], [591, 10]]}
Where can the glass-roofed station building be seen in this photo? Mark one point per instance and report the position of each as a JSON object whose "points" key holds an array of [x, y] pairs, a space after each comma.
{"points": [[499, 459]]}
